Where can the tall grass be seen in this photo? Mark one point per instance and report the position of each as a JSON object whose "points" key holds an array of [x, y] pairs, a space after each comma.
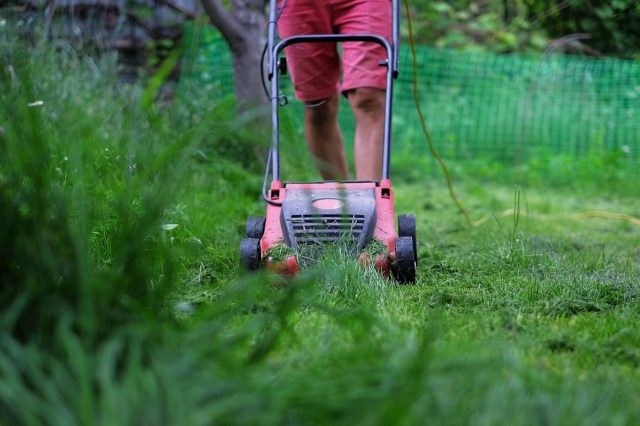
{"points": [[122, 302]]}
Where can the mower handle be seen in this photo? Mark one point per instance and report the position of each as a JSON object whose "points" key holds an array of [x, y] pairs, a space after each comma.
{"points": [[391, 63]]}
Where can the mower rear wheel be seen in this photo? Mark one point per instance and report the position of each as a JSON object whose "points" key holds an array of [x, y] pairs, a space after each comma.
{"points": [[255, 227], [405, 265], [407, 228], [250, 254]]}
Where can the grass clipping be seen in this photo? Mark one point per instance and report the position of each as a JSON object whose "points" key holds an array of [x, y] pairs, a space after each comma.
{"points": [[280, 252], [309, 256], [376, 248]]}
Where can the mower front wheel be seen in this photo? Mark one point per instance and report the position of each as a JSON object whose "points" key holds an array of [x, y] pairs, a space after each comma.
{"points": [[250, 254], [405, 264]]}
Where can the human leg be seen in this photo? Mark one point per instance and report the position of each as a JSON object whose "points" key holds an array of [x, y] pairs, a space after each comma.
{"points": [[325, 140], [367, 104]]}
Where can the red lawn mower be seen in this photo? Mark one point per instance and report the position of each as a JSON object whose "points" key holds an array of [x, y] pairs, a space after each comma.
{"points": [[303, 218]]}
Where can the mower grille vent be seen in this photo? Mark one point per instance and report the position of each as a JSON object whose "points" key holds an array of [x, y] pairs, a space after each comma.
{"points": [[323, 228]]}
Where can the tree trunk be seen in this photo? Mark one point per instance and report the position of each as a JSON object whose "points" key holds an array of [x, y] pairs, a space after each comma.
{"points": [[244, 29]]}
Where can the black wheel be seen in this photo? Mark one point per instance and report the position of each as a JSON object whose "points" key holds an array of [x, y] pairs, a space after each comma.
{"points": [[255, 227], [405, 266], [407, 228], [250, 254]]}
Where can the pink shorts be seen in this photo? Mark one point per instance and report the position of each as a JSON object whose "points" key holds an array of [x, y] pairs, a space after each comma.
{"points": [[315, 67]]}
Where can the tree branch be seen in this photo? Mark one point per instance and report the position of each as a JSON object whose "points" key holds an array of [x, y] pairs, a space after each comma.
{"points": [[191, 14], [230, 29]]}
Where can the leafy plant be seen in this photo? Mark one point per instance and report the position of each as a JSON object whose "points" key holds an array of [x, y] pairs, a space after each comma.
{"points": [[607, 28], [494, 26]]}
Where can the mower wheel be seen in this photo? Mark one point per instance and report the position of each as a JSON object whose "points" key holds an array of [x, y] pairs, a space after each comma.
{"points": [[255, 227], [250, 254], [407, 228], [405, 265]]}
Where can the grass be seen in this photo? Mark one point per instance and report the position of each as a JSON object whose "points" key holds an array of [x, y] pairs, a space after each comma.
{"points": [[112, 314]]}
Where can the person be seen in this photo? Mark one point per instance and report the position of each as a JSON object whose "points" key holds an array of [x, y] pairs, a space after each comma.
{"points": [[320, 75]]}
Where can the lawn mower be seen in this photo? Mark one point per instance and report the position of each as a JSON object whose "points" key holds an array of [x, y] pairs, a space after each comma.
{"points": [[304, 218]]}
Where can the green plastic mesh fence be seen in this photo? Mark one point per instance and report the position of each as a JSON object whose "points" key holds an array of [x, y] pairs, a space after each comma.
{"points": [[509, 108], [504, 108], [207, 66]]}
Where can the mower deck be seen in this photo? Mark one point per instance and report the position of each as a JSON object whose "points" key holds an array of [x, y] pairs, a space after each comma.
{"points": [[304, 218]]}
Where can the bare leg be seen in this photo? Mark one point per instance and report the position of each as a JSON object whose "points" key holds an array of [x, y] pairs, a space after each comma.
{"points": [[325, 140], [367, 104]]}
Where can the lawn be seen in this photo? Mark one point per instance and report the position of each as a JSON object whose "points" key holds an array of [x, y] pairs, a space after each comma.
{"points": [[123, 301]]}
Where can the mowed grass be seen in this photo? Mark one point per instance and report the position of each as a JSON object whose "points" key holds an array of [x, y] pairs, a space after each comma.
{"points": [[526, 316], [124, 304]]}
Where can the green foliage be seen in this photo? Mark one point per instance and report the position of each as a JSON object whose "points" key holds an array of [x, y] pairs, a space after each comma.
{"points": [[529, 25], [494, 26], [611, 27], [81, 203]]}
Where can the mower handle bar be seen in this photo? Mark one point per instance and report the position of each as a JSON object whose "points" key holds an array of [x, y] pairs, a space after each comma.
{"points": [[391, 62], [275, 99]]}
